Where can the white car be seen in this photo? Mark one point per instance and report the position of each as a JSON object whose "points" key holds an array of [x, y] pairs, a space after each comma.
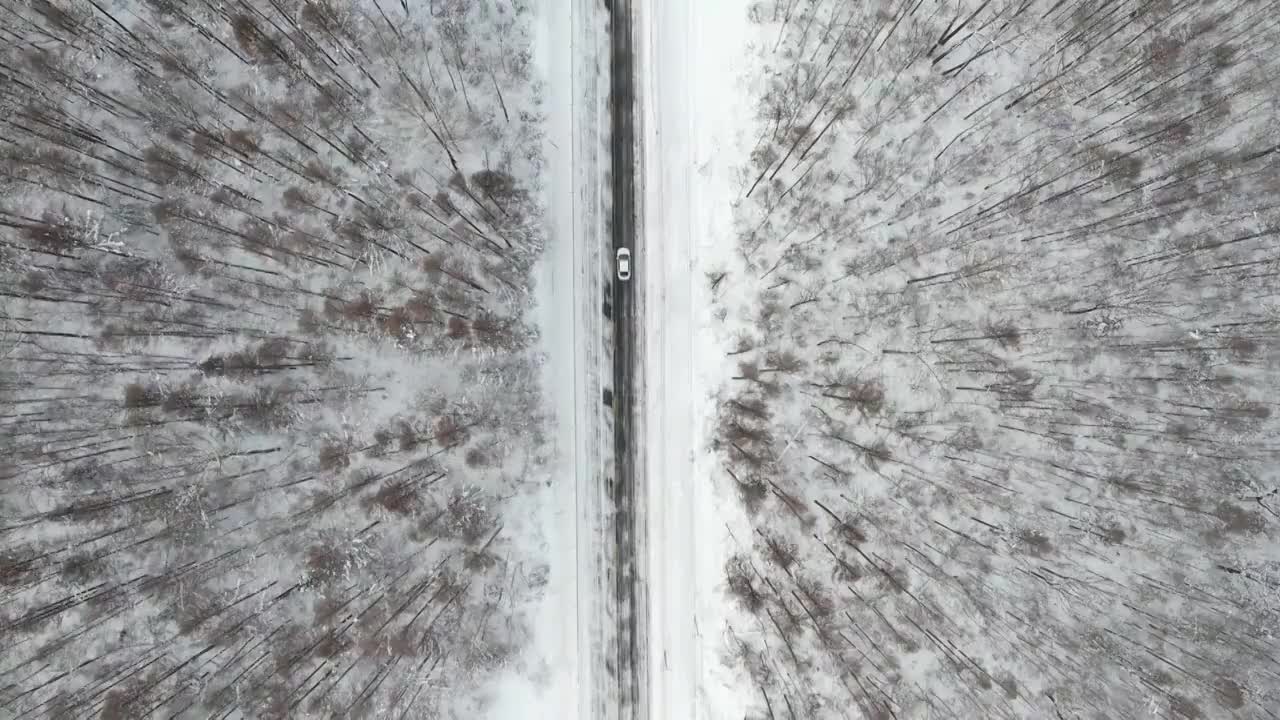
{"points": [[624, 264]]}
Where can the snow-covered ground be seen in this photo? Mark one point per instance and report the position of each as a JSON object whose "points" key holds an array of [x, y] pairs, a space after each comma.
{"points": [[694, 118]]}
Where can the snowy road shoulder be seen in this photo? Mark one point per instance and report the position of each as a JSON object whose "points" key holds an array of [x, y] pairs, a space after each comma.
{"points": [[691, 115], [567, 678]]}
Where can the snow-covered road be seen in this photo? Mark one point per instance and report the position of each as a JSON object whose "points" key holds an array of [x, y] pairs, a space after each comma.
{"points": [[688, 138]]}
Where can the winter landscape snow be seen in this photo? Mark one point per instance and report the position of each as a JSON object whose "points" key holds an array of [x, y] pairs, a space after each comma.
{"points": [[949, 390]]}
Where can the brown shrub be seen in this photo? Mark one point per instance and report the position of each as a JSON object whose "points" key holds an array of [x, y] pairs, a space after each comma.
{"points": [[1009, 684], [1236, 519], [1113, 535], [398, 498], [1184, 707], [468, 516], [457, 328], [1243, 346], [779, 550], [865, 396], [243, 141], [741, 583], [784, 361], [421, 306], [162, 165], [449, 432], [1164, 52], [490, 328], [334, 455], [115, 705], [333, 645], [445, 203], [1036, 542], [326, 563], [363, 307], [14, 570], [1229, 693], [1005, 333], [137, 395], [498, 185], [817, 598], [408, 436], [81, 568], [251, 40], [320, 172], [51, 234], [310, 322], [297, 200], [481, 561], [477, 458], [752, 491], [398, 324]]}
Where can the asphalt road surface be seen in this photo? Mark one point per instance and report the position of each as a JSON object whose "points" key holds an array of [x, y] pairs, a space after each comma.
{"points": [[629, 657]]}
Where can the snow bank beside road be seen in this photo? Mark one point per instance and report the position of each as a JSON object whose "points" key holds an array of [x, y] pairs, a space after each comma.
{"points": [[694, 115], [562, 676]]}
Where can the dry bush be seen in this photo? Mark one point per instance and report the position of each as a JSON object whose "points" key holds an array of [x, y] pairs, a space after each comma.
{"points": [[748, 370], [784, 361], [848, 529], [138, 395], [468, 515], [445, 203], [251, 40], [115, 705], [421, 306], [1004, 332], [1237, 520], [494, 332], [1113, 534], [741, 583], [477, 458], [1229, 693], [481, 561], [752, 490], [495, 184], [267, 408], [779, 550], [1035, 542], [82, 568], [53, 234], [15, 570], [363, 308], [1243, 347], [397, 497], [182, 397], [865, 396], [846, 570], [193, 607], [449, 432], [744, 432], [164, 166], [398, 324], [817, 597], [327, 562], [334, 455]]}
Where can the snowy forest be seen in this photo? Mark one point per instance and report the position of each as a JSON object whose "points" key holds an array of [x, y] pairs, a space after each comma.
{"points": [[1005, 316], [268, 383]]}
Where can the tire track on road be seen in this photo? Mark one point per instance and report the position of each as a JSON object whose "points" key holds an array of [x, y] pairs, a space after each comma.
{"points": [[628, 657]]}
